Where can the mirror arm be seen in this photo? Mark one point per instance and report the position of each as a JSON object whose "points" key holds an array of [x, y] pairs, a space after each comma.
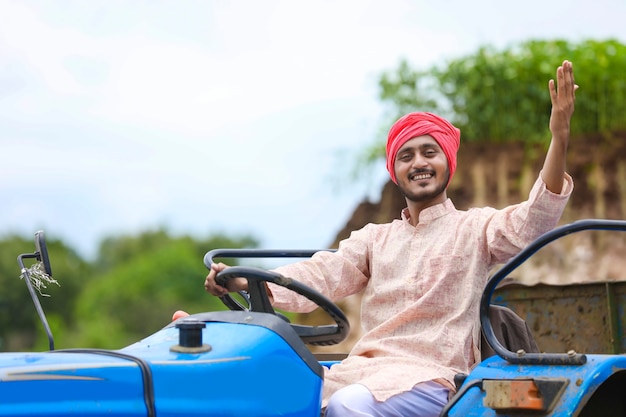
{"points": [[33, 295]]}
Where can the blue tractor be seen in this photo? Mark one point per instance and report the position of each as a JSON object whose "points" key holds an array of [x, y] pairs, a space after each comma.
{"points": [[251, 361]]}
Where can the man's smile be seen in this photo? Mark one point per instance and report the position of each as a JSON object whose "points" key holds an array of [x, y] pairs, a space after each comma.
{"points": [[418, 176]]}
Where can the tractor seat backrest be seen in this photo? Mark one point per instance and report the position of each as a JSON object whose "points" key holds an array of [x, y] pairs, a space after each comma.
{"points": [[510, 329]]}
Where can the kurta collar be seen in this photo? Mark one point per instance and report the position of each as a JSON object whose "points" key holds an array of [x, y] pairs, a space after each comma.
{"points": [[431, 213]]}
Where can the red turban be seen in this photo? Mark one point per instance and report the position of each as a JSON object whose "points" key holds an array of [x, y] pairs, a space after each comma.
{"points": [[417, 124]]}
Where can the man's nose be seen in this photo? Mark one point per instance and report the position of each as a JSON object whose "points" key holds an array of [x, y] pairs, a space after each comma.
{"points": [[419, 161]]}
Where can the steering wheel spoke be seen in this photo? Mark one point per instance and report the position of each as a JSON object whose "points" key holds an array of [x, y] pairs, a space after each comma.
{"points": [[259, 300]]}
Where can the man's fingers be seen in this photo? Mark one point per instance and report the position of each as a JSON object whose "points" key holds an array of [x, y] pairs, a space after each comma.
{"points": [[565, 77], [565, 87], [211, 286], [553, 93]]}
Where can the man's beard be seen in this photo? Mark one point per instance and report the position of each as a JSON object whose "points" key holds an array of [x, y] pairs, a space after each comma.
{"points": [[425, 197]]}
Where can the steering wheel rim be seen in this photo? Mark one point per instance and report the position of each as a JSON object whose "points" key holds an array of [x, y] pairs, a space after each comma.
{"points": [[259, 302]]}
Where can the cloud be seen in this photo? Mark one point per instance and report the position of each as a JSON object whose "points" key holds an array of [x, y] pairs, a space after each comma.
{"points": [[221, 115]]}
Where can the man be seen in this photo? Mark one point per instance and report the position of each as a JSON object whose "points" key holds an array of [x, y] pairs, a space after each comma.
{"points": [[423, 275]]}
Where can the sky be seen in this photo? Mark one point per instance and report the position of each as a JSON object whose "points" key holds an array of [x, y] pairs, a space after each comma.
{"points": [[236, 117]]}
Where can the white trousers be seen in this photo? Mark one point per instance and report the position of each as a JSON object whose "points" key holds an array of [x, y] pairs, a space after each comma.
{"points": [[424, 400]]}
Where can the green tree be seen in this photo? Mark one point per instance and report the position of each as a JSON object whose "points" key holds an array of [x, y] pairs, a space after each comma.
{"points": [[20, 326], [499, 96], [129, 291], [144, 280]]}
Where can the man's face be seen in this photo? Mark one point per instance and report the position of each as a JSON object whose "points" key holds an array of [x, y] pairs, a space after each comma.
{"points": [[422, 170]]}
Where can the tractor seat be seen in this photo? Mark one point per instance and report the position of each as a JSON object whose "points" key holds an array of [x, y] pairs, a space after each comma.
{"points": [[510, 330]]}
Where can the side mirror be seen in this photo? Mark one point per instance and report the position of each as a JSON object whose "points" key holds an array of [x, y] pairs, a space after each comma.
{"points": [[41, 255], [42, 252]]}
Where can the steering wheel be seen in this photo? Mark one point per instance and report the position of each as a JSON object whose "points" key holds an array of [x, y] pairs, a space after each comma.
{"points": [[258, 301]]}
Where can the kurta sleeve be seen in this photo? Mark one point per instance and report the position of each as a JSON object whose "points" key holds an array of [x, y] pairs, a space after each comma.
{"points": [[334, 274], [515, 227]]}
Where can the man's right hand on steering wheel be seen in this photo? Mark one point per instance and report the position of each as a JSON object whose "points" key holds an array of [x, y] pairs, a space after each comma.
{"points": [[258, 299], [233, 285]]}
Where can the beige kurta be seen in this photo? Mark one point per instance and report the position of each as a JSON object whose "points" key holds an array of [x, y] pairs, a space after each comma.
{"points": [[422, 287]]}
